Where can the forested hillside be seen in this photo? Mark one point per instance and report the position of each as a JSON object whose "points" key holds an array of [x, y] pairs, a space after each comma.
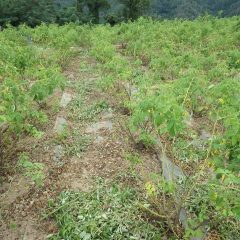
{"points": [[182, 8], [33, 13], [194, 8]]}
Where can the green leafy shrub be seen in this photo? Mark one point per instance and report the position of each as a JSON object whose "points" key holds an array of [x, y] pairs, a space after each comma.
{"points": [[184, 76]]}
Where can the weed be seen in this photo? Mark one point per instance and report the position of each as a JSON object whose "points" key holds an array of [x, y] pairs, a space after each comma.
{"points": [[106, 212], [76, 144], [62, 136], [34, 171], [13, 226], [134, 159], [90, 112]]}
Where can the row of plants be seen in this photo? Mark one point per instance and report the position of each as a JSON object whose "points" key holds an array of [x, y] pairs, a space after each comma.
{"points": [[179, 81], [197, 76], [31, 64]]}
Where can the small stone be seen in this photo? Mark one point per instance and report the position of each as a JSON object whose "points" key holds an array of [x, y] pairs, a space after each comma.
{"points": [[183, 218], [196, 143], [107, 115], [66, 99], [99, 139], [60, 124], [189, 121], [132, 90], [205, 135], [100, 126], [71, 76], [170, 170], [58, 153]]}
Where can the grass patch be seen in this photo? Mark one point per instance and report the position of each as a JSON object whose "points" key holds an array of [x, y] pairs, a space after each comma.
{"points": [[88, 113], [80, 108], [77, 144], [107, 212]]}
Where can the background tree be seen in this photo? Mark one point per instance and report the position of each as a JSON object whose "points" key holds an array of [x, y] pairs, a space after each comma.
{"points": [[193, 8], [134, 8], [94, 7], [31, 12], [188, 9], [228, 7], [66, 15]]}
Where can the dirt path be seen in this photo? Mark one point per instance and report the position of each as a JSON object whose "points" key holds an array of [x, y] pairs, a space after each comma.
{"points": [[83, 141]]}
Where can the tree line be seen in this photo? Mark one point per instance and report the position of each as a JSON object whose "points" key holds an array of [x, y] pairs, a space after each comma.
{"points": [[193, 8], [33, 12]]}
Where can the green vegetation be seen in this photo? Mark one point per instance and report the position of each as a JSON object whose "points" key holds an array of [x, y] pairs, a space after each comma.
{"points": [[107, 212], [183, 71], [93, 110], [31, 61], [25, 11], [34, 171], [94, 7], [184, 77], [179, 81], [193, 8], [33, 13], [30, 68], [77, 144], [134, 8]]}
